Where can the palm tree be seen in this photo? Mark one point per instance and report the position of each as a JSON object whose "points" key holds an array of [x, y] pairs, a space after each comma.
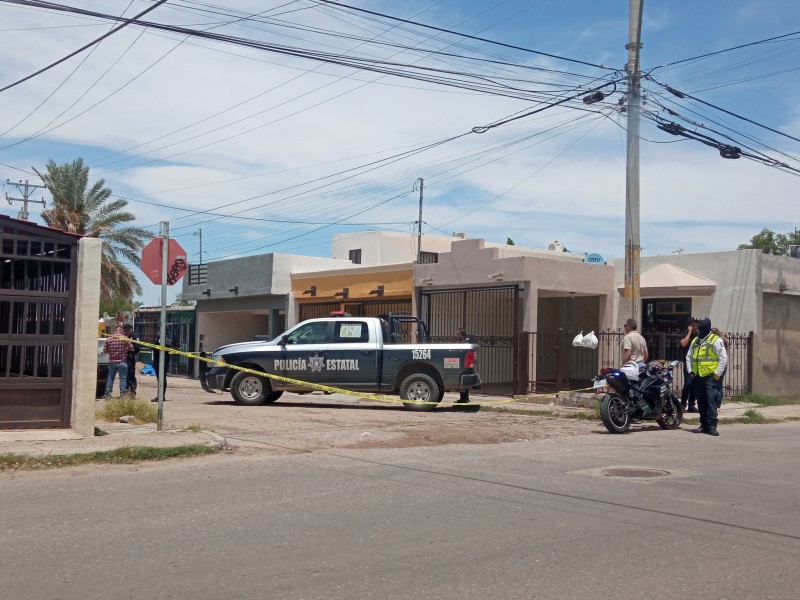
{"points": [[77, 208]]}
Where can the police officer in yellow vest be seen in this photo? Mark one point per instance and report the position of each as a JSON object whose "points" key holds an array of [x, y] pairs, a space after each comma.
{"points": [[706, 361]]}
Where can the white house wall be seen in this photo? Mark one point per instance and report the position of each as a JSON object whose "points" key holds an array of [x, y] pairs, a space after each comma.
{"points": [[733, 306]]}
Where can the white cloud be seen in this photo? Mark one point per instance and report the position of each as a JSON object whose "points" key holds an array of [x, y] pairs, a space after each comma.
{"points": [[300, 124]]}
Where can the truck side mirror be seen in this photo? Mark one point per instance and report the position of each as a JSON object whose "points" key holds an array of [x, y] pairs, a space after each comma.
{"points": [[284, 340]]}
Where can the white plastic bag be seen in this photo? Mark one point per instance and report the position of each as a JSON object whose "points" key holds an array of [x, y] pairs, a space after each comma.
{"points": [[578, 341], [589, 340]]}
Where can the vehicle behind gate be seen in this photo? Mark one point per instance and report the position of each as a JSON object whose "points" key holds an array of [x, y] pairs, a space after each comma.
{"points": [[360, 354]]}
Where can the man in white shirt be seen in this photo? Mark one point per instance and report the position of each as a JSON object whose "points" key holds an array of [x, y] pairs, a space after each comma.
{"points": [[633, 345]]}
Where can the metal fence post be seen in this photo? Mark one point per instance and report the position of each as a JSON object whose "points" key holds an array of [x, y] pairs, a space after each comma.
{"points": [[560, 360], [749, 385], [523, 368]]}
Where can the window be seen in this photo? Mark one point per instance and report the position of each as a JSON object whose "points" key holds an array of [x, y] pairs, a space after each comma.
{"points": [[352, 332], [355, 256], [310, 333], [428, 258], [667, 315]]}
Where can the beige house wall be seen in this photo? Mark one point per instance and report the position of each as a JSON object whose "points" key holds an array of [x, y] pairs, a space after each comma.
{"points": [[777, 342]]}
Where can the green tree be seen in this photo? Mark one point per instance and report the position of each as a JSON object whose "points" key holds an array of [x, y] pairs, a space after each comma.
{"points": [[509, 242], [78, 208], [117, 304], [770, 242]]}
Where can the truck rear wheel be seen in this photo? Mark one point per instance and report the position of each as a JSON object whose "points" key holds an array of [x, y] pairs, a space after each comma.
{"points": [[422, 389], [252, 390]]}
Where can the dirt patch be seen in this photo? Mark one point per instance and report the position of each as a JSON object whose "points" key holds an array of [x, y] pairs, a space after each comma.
{"points": [[317, 422]]}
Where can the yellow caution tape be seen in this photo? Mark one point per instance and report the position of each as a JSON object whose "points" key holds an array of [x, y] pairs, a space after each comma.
{"points": [[327, 388]]}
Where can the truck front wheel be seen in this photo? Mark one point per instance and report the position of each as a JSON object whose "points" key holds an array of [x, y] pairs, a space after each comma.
{"points": [[252, 390], [422, 390]]}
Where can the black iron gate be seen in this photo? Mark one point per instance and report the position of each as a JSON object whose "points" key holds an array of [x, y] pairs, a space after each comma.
{"points": [[37, 307], [552, 363], [492, 317]]}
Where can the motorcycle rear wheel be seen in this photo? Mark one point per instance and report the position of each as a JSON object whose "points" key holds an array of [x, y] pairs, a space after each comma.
{"points": [[613, 413], [673, 413]]}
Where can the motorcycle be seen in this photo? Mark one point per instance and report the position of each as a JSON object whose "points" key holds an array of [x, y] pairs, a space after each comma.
{"points": [[630, 400]]}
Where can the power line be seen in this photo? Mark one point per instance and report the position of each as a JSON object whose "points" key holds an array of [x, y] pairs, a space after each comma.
{"points": [[82, 48], [464, 35], [717, 52], [680, 94]]}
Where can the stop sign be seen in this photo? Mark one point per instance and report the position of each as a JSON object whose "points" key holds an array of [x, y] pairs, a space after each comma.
{"points": [[151, 261]]}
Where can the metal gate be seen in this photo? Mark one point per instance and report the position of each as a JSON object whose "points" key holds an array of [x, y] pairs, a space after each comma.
{"points": [[491, 316], [367, 308], [37, 307], [554, 364]]}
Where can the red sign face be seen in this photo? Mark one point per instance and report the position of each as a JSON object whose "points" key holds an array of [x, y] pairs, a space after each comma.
{"points": [[151, 261]]}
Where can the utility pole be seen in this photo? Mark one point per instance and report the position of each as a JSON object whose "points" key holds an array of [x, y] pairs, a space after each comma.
{"points": [[162, 334], [199, 233], [421, 183], [26, 190], [632, 242]]}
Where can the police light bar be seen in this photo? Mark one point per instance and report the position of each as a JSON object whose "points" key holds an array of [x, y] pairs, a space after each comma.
{"points": [[340, 313]]}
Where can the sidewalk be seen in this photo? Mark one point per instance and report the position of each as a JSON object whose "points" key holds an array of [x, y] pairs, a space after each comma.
{"points": [[45, 442], [566, 402]]}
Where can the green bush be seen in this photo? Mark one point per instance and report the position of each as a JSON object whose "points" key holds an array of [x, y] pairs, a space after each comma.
{"points": [[142, 411], [767, 400]]}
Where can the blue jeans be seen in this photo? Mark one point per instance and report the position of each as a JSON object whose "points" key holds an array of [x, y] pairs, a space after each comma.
{"points": [[114, 369], [708, 393]]}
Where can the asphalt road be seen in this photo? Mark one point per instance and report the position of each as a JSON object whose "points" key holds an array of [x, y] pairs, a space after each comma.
{"points": [[530, 519]]}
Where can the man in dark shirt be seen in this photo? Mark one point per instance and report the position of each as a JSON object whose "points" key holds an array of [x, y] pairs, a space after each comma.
{"points": [[131, 358], [463, 338], [687, 391], [156, 358]]}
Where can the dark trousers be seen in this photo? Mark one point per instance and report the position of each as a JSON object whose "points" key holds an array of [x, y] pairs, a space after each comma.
{"points": [[166, 368], [687, 391], [131, 375], [709, 399]]}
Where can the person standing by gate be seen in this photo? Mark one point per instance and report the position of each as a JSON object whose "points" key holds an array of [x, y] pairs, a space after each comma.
{"points": [[156, 358], [131, 358], [687, 391], [463, 338], [117, 348], [634, 346], [707, 360]]}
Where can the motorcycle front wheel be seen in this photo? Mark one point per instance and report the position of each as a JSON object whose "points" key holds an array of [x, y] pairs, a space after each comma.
{"points": [[673, 413], [613, 413]]}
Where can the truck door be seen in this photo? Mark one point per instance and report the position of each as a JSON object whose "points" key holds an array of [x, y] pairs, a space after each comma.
{"points": [[352, 356], [304, 354]]}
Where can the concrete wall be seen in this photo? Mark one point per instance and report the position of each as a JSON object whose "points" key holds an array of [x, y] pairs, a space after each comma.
{"points": [[754, 292], [733, 306], [388, 247], [539, 273], [84, 375], [263, 274], [777, 339], [228, 328]]}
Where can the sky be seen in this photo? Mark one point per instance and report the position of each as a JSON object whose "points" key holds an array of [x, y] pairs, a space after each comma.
{"points": [[271, 125]]}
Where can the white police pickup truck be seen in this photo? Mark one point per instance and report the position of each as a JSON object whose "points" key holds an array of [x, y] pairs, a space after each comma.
{"points": [[360, 354]]}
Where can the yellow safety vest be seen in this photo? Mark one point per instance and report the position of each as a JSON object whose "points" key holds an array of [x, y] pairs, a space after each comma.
{"points": [[704, 355]]}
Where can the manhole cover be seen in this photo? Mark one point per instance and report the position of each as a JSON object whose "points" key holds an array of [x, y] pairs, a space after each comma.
{"points": [[635, 473]]}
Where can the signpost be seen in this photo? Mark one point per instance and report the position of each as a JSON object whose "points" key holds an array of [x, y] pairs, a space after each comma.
{"points": [[164, 262], [152, 259]]}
